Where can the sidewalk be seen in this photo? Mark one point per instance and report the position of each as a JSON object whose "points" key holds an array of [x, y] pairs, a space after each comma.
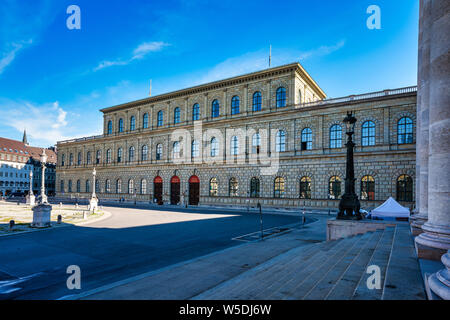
{"points": [[191, 278]]}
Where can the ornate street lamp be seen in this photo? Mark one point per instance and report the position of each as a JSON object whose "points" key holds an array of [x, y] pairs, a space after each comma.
{"points": [[349, 205], [42, 199], [93, 203], [30, 197]]}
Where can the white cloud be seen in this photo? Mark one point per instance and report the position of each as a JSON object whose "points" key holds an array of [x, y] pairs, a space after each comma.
{"points": [[10, 55], [139, 53]]}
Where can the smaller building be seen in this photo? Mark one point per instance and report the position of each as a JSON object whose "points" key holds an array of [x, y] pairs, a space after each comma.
{"points": [[17, 160]]}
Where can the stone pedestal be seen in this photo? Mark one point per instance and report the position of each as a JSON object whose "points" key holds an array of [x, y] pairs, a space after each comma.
{"points": [[337, 229], [93, 204], [31, 200], [41, 216]]}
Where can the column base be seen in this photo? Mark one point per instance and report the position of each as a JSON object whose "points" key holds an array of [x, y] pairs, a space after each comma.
{"points": [[433, 242], [417, 221], [438, 284]]}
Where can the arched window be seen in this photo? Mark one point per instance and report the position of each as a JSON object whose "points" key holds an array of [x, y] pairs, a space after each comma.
{"points": [[257, 101], [254, 187], [368, 188], [69, 186], [305, 188], [97, 186], [108, 186], [71, 159], [405, 130], [145, 121], [78, 186], [120, 125], [306, 139], [213, 187], [109, 130], [280, 141], [195, 112], [88, 157], [144, 153], [108, 156], [404, 188], [88, 186], [176, 150], [132, 123], [214, 147], [334, 189], [159, 151], [215, 109], [368, 134], [130, 186], [235, 102], [61, 186], [234, 145], [98, 157], [176, 115], [119, 155], [63, 160], [279, 188], [233, 187], [159, 118], [281, 97], [131, 154], [143, 186], [336, 136], [118, 186], [79, 159], [195, 152], [256, 143]]}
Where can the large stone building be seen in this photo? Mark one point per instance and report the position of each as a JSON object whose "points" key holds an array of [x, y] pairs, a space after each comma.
{"points": [[270, 137], [17, 160]]}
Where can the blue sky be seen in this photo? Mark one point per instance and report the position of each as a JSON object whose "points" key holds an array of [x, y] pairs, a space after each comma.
{"points": [[53, 80]]}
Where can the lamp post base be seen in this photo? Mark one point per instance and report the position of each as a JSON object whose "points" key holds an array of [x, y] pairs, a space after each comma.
{"points": [[349, 208], [41, 216]]}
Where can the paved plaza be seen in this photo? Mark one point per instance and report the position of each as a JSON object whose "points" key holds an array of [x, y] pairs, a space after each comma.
{"points": [[128, 243]]}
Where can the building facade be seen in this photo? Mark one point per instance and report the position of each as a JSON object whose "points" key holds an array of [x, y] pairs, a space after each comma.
{"points": [[270, 137], [17, 160]]}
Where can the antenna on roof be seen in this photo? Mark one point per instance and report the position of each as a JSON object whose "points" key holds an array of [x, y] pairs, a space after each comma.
{"points": [[150, 92], [270, 55]]}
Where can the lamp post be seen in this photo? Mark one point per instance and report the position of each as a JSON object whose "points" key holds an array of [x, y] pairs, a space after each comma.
{"points": [[42, 197], [30, 196], [349, 204], [93, 203], [42, 212]]}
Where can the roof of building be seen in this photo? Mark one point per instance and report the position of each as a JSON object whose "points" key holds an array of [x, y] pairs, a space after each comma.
{"points": [[223, 83], [9, 146]]}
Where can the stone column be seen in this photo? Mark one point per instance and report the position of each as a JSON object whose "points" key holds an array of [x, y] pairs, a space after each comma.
{"points": [[422, 132], [435, 239]]}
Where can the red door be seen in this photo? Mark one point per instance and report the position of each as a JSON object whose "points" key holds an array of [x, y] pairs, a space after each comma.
{"points": [[174, 190], [157, 189], [194, 190]]}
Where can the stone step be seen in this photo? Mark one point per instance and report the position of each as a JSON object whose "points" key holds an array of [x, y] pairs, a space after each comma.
{"points": [[345, 286], [333, 258], [247, 281], [330, 279], [285, 287], [403, 276], [380, 258]]}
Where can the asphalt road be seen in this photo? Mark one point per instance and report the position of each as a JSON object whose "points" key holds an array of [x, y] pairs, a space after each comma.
{"points": [[130, 242]]}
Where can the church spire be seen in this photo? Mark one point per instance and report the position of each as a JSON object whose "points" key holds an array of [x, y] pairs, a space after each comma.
{"points": [[24, 139]]}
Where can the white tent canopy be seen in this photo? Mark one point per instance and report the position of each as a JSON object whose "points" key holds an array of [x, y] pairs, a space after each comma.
{"points": [[390, 209]]}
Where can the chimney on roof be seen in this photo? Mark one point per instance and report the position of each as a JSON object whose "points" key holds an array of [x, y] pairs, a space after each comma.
{"points": [[24, 139]]}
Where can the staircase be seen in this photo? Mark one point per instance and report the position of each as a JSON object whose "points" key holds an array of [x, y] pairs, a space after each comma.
{"points": [[335, 270]]}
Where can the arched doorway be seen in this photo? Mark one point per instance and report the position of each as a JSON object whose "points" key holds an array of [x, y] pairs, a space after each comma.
{"points": [[157, 190], [174, 190], [194, 190]]}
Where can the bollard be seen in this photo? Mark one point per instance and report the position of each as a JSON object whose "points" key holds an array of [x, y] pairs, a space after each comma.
{"points": [[60, 204], [76, 205], [59, 218], [18, 203], [12, 223], [261, 220], [84, 215]]}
